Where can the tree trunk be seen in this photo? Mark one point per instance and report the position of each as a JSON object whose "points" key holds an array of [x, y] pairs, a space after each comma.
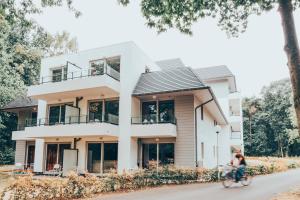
{"points": [[292, 51]]}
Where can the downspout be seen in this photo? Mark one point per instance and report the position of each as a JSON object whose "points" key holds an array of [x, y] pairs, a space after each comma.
{"points": [[196, 138]]}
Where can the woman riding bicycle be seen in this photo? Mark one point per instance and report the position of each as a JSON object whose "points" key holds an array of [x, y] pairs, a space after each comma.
{"points": [[241, 165]]}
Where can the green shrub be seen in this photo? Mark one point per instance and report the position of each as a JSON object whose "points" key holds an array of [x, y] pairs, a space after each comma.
{"points": [[75, 186]]}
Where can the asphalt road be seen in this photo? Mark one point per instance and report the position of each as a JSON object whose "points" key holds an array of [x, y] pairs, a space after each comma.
{"points": [[262, 188]]}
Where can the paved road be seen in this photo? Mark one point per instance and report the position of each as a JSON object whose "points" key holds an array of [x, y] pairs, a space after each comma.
{"points": [[262, 188]]}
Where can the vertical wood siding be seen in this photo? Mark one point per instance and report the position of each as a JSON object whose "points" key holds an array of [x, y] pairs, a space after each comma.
{"points": [[185, 141], [20, 151]]}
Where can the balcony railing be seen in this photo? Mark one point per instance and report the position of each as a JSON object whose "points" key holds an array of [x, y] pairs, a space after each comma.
{"points": [[108, 118], [151, 119], [81, 74], [27, 123], [82, 119]]}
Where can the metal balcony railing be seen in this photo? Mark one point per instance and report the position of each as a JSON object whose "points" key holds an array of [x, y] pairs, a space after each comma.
{"points": [[106, 69], [152, 119], [82, 119]]}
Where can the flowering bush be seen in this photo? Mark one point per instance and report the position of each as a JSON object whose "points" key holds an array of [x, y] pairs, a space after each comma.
{"points": [[75, 186]]}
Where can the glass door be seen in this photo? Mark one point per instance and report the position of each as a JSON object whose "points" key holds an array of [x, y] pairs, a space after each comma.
{"points": [[149, 112], [52, 150], [55, 155], [30, 155], [110, 157], [112, 111], [102, 157], [95, 111], [94, 158]]}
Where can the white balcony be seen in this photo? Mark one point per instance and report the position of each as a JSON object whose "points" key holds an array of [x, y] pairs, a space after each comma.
{"points": [[153, 130], [18, 135], [149, 129], [73, 130], [74, 84]]}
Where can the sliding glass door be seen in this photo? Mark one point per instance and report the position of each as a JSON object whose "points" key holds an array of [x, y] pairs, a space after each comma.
{"points": [[102, 157], [94, 158], [55, 154], [157, 154]]}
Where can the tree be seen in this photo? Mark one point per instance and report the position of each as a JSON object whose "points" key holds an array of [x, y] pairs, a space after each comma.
{"points": [[272, 131], [23, 43], [232, 17], [60, 44]]}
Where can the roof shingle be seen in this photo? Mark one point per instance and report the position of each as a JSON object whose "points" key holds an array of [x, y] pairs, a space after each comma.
{"points": [[176, 79], [20, 102]]}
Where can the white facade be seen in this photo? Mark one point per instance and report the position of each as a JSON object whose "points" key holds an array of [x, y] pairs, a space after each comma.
{"points": [[134, 140]]}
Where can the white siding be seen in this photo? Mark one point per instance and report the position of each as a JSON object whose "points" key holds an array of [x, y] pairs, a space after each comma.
{"points": [[20, 151], [185, 141]]}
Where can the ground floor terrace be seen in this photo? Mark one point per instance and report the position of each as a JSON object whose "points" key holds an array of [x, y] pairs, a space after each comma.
{"points": [[95, 155]]}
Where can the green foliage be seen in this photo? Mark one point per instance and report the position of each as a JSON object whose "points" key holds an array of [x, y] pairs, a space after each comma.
{"points": [[272, 121], [75, 186], [232, 15], [22, 45]]}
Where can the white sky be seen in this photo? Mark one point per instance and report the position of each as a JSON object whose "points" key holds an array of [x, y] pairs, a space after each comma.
{"points": [[256, 57]]}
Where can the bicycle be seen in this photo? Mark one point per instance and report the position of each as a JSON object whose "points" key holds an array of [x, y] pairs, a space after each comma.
{"points": [[228, 177]]}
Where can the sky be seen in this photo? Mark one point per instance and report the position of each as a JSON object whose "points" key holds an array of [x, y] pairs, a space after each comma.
{"points": [[256, 57]]}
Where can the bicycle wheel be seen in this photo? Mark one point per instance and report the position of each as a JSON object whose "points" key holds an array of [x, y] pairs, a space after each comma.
{"points": [[228, 181], [245, 181]]}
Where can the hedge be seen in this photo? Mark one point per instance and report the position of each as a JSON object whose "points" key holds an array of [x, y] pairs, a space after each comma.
{"points": [[75, 186]]}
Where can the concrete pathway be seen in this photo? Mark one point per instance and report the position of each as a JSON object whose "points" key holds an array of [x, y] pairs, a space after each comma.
{"points": [[262, 188]]}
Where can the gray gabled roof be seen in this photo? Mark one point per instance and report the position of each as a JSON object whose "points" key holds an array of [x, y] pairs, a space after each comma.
{"points": [[170, 63], [20, 102], [172, 80], [215, 72]]}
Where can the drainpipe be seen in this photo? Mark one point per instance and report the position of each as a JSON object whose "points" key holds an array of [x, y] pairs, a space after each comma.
{"points": [[196, 139]]}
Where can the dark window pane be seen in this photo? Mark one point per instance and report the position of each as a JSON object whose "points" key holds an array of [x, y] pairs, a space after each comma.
{"points": [[51, 156], [149, 112], [62, 113], [166, 111], [94, 158], [166, 153], [56, 75], [97, 67], [112, 111], [149, 156], [95, 111], [110, 156], [114, 63], [54, 114], [65, 73]]}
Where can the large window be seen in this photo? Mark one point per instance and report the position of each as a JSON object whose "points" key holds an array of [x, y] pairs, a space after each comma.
{"points": [[157, 154], [57, 114], [110, 66], [158, 111], [149, 112], [94, 158], [95, 111], [166, 111], [98, 162], [59, 74], [55, 155], [112, 111]]}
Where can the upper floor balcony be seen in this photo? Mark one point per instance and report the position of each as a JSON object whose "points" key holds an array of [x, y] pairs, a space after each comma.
{"points": [[99, 78], [70, 126], [151, 126]]}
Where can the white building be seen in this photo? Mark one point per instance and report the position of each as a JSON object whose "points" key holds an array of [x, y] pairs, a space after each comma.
{"points": [[114, 108]]}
